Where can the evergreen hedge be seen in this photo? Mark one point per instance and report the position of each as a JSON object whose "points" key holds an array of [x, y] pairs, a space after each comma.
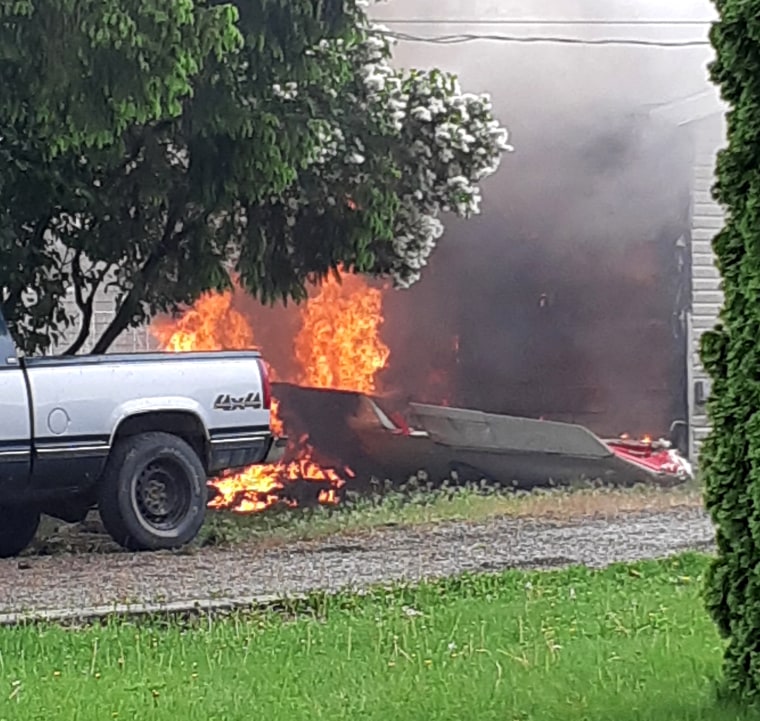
{"points": [[730, 457]]}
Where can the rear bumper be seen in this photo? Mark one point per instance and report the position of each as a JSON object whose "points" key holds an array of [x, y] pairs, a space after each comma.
{"points": [[276, 450], [234, 454]]}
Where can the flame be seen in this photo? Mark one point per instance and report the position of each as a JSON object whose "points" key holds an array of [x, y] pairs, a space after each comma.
{"points": [[275, 422], [211, 324], [338, 346]]}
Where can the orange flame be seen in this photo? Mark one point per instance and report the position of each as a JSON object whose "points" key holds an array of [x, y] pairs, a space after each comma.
{"points": [[211, 324], [338, 346]]}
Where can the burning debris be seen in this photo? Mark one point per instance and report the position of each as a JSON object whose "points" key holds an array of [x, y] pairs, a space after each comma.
{"points": [[338, 346], [393, 441], [343, 429]]}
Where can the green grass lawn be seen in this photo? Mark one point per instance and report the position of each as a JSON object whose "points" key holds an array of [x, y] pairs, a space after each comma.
{"points": [[629, 643]]}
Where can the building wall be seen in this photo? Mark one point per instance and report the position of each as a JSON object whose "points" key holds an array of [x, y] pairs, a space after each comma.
{"points": [[707, 298]]}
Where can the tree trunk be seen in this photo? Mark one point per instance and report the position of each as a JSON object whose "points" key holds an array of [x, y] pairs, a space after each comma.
{"points": [[84, 332], [123, 318], [144, 277], [86, 306]]}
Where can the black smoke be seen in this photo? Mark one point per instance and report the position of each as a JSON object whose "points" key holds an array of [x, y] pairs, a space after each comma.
{"points": [[564, 299]]}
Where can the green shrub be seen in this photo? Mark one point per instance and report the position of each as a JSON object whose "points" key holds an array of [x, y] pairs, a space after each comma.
{"points": [[730, 457]]}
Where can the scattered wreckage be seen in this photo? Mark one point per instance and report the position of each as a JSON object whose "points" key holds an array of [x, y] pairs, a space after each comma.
{"points": [[377, 438]]}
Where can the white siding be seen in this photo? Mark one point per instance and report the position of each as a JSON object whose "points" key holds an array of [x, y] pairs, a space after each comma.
{"points": [[707, 220]]}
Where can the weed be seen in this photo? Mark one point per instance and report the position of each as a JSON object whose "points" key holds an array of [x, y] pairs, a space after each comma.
{"points": [[420, 504], [416, 504]]}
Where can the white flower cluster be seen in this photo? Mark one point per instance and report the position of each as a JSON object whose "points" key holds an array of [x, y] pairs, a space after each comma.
{"points": [[451, 142], [444, 143], [289, 91], [291, 203], [330, 142], [383, 88]]}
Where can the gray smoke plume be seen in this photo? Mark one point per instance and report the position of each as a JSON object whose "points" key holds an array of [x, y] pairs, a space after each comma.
{"points": [[565, 298]]}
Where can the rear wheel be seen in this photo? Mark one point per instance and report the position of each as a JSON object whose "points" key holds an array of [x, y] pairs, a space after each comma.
{"points": [[18, 526], [153, 492]]}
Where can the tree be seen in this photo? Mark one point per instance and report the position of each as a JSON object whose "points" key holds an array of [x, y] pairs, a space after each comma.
{"points": [[397, 150], [88, 142], [296, 151], [74, 71], [730, 457], [74, 80]]}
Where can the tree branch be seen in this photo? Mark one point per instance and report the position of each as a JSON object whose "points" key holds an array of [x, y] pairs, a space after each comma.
{"points": [[39, 229], [86, 305], [138, 145], [13, 305], [143, 278]]}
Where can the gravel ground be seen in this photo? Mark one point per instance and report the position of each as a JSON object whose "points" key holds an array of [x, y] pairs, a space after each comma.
{"points": [[76, 582]]}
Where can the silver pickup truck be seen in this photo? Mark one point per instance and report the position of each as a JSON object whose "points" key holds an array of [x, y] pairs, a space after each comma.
{"points": [[135, 435]]}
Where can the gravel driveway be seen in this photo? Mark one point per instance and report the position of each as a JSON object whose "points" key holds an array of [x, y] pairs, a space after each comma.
{"points": [[69, 584]]}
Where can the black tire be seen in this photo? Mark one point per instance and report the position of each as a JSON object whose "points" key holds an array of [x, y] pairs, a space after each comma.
{"points": [[18, 527], [153, 495]]}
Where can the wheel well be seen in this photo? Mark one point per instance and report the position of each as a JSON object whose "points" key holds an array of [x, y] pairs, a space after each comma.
{"points": [[182, 424]]}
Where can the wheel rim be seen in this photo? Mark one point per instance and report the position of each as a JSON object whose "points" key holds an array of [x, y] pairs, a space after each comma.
{"points": [[163, 494]]}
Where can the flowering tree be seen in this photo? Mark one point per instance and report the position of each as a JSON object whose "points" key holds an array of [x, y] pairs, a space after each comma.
{"points": [[296, 153], [397, 150]]}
